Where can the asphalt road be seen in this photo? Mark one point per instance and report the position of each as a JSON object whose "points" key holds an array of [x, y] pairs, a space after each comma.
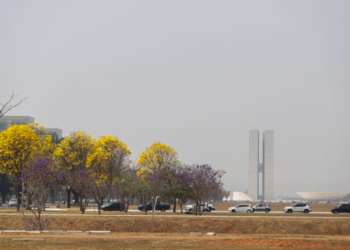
{"points": [[186, 216], [270, 214]]}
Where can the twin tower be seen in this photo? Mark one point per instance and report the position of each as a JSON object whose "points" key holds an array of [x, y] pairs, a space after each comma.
{"points": [[260, 174]]}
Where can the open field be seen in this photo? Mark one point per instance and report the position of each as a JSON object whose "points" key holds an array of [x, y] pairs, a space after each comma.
{"points": [[174, 241], [173, 232]]}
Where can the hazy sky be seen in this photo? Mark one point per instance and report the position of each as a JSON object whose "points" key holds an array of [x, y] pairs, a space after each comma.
{"points": [[196, 75]]}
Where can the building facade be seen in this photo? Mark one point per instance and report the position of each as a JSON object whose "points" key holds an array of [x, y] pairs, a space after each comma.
{"points": [[8, 121], [260, 174], [55, 133]]}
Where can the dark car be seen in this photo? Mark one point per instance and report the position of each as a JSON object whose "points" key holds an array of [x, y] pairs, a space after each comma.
{"points": [[343, 208], [160, 206], [116, 206], [262, 208]]}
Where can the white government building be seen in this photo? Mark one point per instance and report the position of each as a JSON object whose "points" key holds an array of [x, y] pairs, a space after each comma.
{"points": [[309, 196]]}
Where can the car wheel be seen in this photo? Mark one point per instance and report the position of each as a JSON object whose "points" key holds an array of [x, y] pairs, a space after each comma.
{"points": [[306, 211], [289, 211], [336, 212], [249, 211], [233, 211], [266, 211], [162, 210]]}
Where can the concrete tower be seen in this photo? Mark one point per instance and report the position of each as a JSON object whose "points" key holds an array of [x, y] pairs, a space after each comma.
{"points": [[268, 164], [253, 174], [260, 175]]}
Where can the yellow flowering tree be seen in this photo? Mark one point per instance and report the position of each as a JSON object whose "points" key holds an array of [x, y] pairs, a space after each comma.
{"points": [[19, 144], [118, 158], [155, 158], [158, 165], [106, 165], [72, 157]]}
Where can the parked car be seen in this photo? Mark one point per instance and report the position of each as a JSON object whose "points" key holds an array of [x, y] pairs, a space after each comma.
{"points": [[211, 206], [262, 208], [204, 208], [241, 208], [343, 208], [159, 206], [116, 206], [12, 203], [299, 207]]}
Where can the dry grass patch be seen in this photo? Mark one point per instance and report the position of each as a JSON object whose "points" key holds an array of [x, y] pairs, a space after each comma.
{"points": [[165, 224], [177, 241]]}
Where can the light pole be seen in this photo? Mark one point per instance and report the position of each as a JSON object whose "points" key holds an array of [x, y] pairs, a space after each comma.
{"points": [[153, 212]]}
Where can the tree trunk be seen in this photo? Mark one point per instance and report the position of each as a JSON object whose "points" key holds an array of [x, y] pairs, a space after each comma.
{"points": [[4, 197], [174, 208], [68, 196], [77, 197], [82, 208], [99, 207], [18, 194], [122, 205], [28, 200], [126, 206]]}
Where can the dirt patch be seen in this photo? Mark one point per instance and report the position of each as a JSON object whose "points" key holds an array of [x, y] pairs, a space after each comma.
{"points": [[284, 243]]}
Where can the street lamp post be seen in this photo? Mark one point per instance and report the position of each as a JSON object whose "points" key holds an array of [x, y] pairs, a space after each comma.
{"points": [[153, 212]]}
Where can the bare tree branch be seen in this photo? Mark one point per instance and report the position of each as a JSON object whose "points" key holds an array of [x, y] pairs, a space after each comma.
{"points": [[7, 106]]}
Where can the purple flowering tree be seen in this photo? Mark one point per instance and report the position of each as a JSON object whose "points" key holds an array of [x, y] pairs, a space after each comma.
{"points": [[164, 182], [127, 187], [201, 182], [39, 178], [79, 180]]}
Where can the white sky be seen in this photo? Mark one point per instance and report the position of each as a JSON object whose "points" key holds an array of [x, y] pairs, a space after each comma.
{"points": [[196, 75]]}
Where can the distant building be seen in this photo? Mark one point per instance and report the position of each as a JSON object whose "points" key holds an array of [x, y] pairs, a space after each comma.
{"points": [[260, 174], [324, 196], [55, 133], [238, 196], [8, 121]]}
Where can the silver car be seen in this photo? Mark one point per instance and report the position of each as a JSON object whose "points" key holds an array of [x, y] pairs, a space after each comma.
{"points": [[262, 208], [12, 203], [299, 207], [241, 208]]}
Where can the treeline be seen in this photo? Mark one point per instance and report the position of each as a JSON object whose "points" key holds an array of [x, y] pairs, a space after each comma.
{"points": [[98, 168]]}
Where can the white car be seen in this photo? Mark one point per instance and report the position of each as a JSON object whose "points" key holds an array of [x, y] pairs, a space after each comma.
{"points": [[299, 207], [241, 208], [204, 208], [211, 206], [12, 203]]}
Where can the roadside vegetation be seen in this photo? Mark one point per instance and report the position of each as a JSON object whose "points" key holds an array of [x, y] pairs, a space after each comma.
{"points": [[87, 168]]}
